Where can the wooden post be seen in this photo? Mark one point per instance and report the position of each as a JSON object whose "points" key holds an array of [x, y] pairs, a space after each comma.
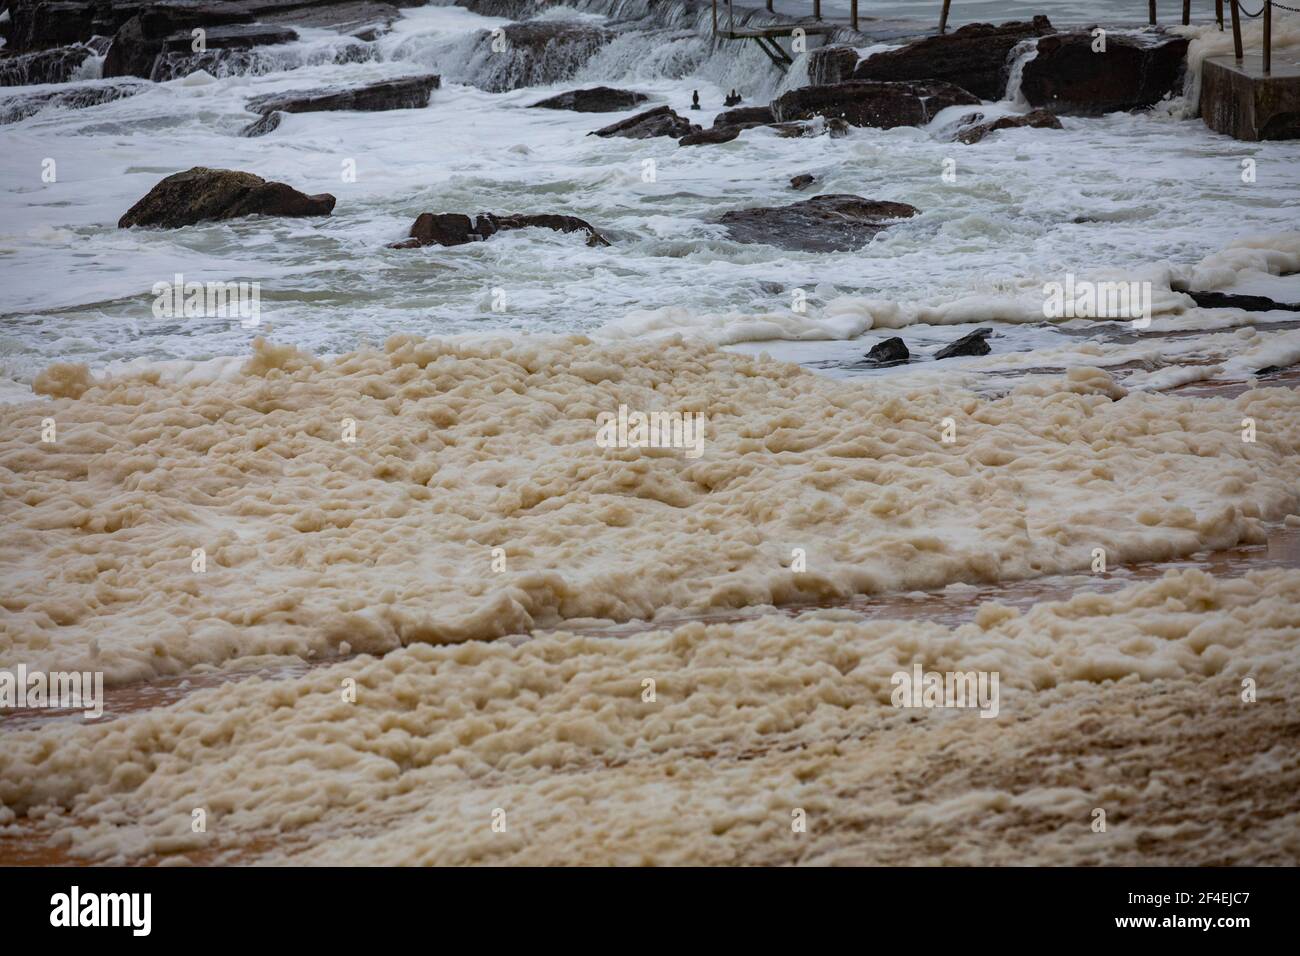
{"points": [[769, 6], [1268, 37], [1218, 13], [943, 16], [817, 9], [1236, 29], [1151, 10], [1187, 12], [715, 17], [853, 13]]}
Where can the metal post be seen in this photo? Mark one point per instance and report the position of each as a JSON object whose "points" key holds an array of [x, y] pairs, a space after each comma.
{"points": [[1236, 29], [1218, 13], [1187, 12], [1268, 37], [943, 17], [853, 13], [1151, 9]]}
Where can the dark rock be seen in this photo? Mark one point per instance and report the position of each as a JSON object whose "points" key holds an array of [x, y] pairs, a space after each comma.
{"points": [[410, 92], [1269, 370], [752, 115], [889, 352], [38, 24], [598, 99], [46, 66], [224, 45], [456, 229], [363, 19], [829, 125], [802, 180], [973, 57], [831, 223], [831, 64], [201, 195], [140, 40], [970, 344], [263, 125], [1247, 303], [717, 134], [1134, 73], [871, 103], [23, 105], [660, 121], [1038, 119], [537, 52]]}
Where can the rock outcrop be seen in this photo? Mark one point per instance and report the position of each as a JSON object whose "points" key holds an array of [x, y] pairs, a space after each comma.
{"points": [[871, 102], [829, 223], [203, 195], [457, 229], [597, 99], [973, 57], [889, 352], [831, 64], [410, 92], [1037, 119], [1134, 73], [660, 121], [745, 115]]}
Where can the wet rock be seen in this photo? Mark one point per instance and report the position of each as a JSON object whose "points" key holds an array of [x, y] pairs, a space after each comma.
{"points": [[202, 195], [972, 343], [802, 180], [23, 105], [38, 24], [363, 19], [832, 126], [263, 125], [537, 52], [717, 134], [745, 116], [660, 121], [410, 92], [973, 57], [831, 64], [46, 66], [1135, 72], [177, 58], [139, 41], [1038, 119], [889, 352], [457, 229], [598, 99], [871, 102], [829, 223], [1247, 303]]}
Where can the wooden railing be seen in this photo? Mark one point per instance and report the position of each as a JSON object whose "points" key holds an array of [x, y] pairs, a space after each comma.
{"points": [[817, 13], [1266, 11]]}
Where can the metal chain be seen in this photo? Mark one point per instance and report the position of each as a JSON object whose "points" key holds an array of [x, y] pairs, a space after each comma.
{"points": [[1260, 12]]}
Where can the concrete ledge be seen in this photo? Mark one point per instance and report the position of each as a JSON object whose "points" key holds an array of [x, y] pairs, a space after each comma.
{"points": [[1239, 100]]}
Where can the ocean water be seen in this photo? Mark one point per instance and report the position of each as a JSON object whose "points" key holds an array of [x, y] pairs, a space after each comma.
{"points": [[1136, 196]]}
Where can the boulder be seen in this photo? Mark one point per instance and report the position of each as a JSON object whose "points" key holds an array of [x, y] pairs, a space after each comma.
{"points": [[745, 115], [972, 343], [598, 99], [717, 134], [871, 103], [831, 64], [829, 223], [1037, 119], [1135, 72], [660, 121], [410, 92], [456, 229], [802, 180], [973, 57], [889, 352], [202, 195]]}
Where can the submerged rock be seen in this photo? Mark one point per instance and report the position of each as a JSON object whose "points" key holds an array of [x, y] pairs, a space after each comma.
{"points": [[889, 352], [1134, 73], [201, 195], [457, 229], [745, 115], [973, 343], [871, 102], [822, 125], [23, 105], [1247, 303], [660, 121], [1038, 119], [718, 134], [537, 52], [410, 92], [802, 180], [597, 99], [260, 127], [973, 57], [829, 223]]}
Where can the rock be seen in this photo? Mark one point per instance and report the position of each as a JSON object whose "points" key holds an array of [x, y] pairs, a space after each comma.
{"points": [[1038, 119], [831, 64], [23, 105], [1247, 303], [802, 180], [1266, 370], [660, 121], [410, 92], [745, 115], [201, 195], [1135, 72], [816, 127], [537, 52], [456, 229], [830, 223], [973, 57], [871, 103], [139, 41], [263, 125], [718, 134], [889, 352], [176, 57], [37, 24], [598, 99], [46, 66], [970, 344]]}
